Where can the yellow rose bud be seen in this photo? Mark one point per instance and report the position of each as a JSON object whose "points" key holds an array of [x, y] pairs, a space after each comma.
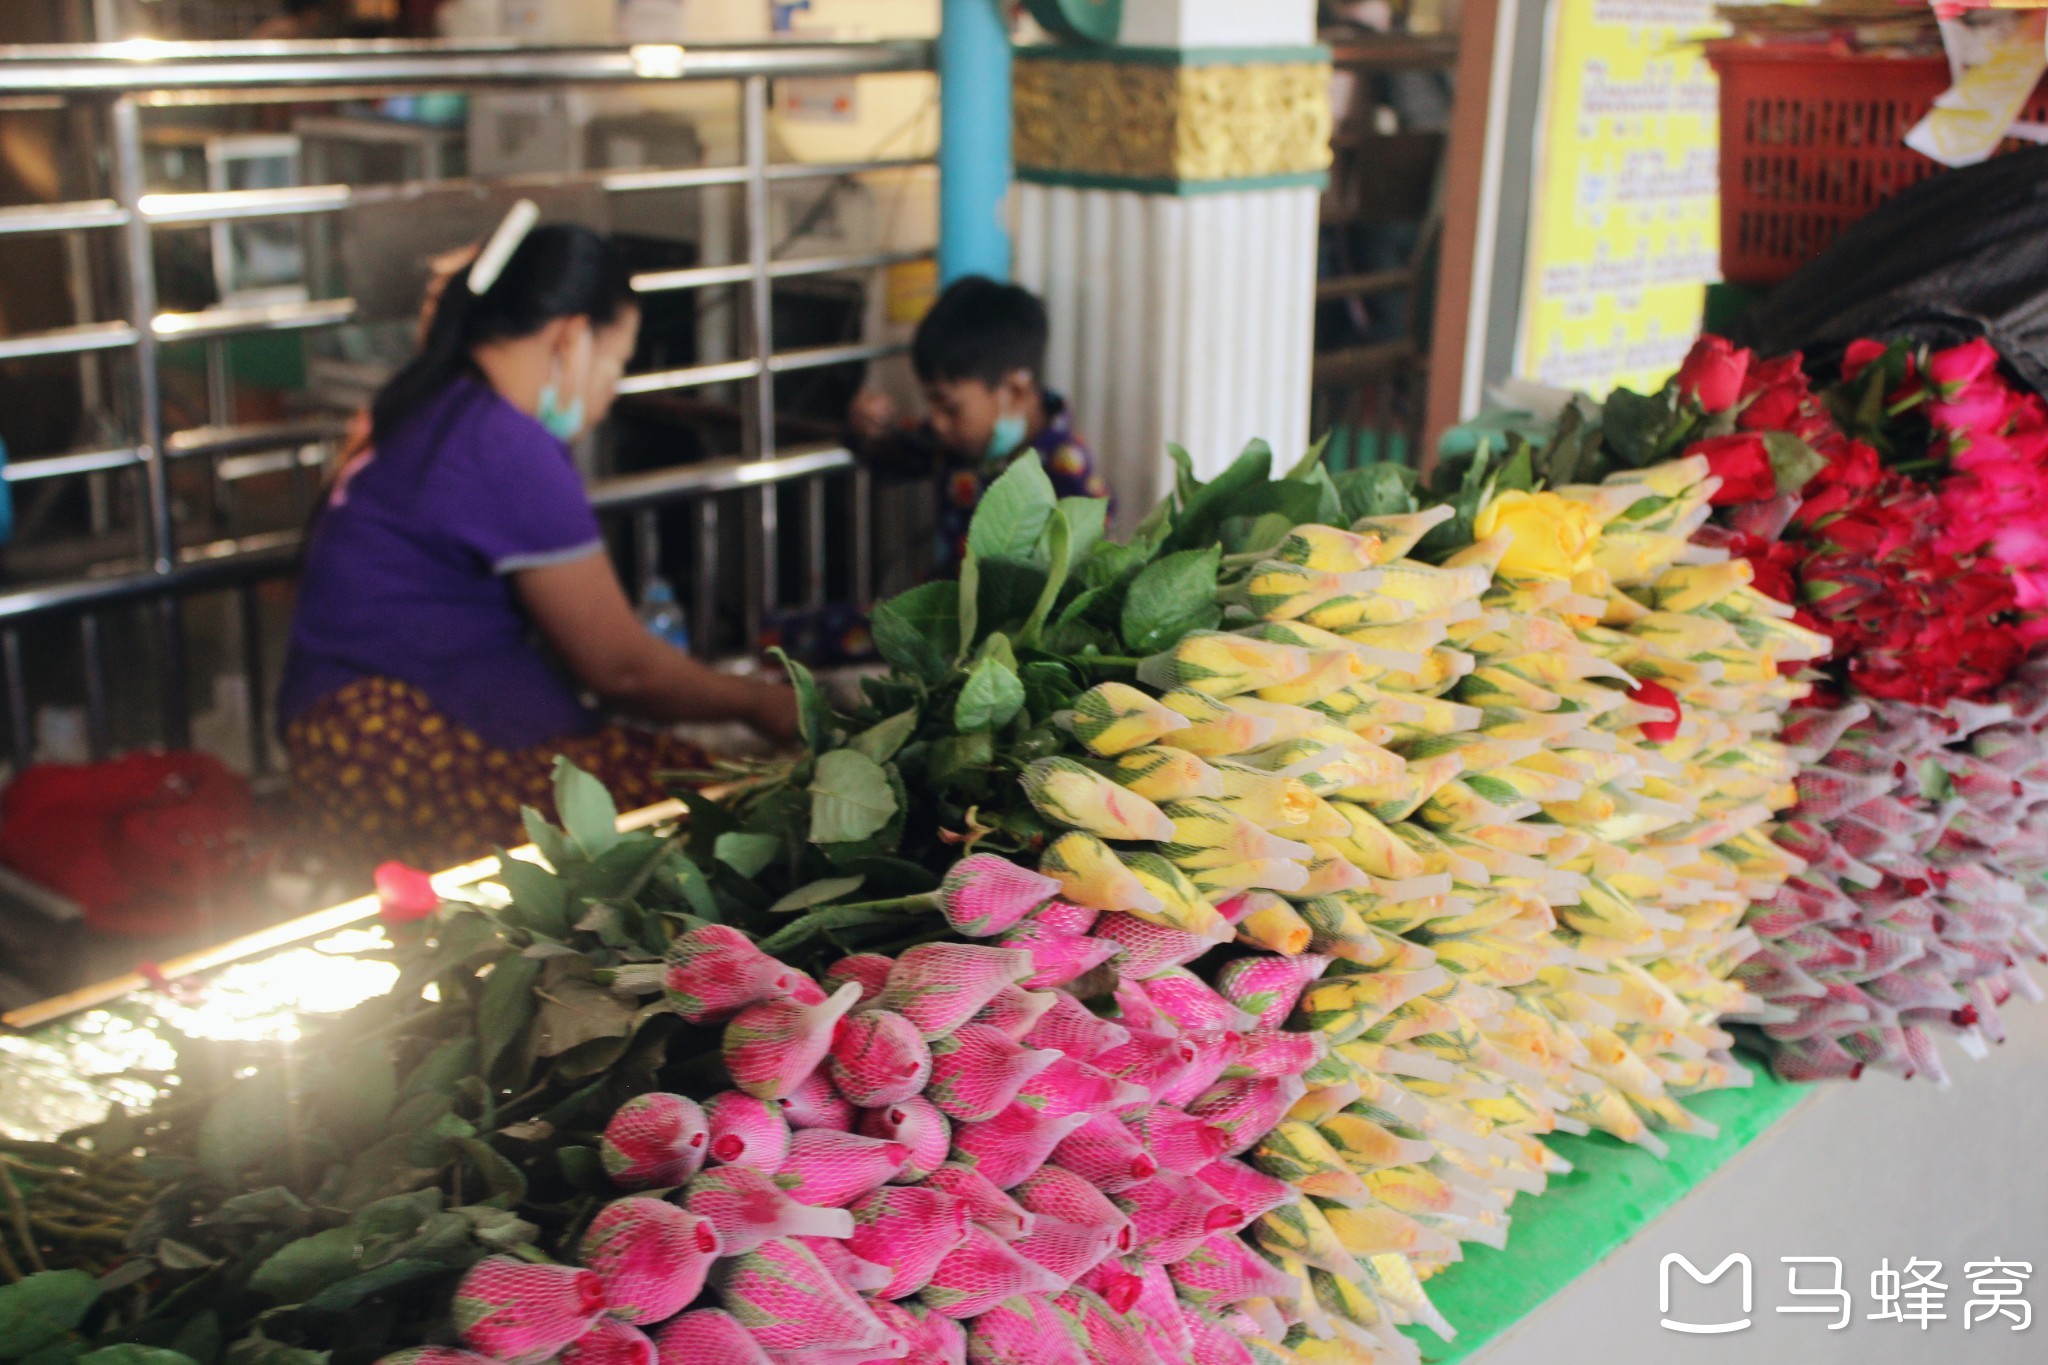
{"points": [[1090, 874], [1553, 536], [1215, 730], [1267, 801], [1401, 533], [1274, 925], [1329, 670], [1115, 717], [1064, 791], [1367, 609], [1258, 874], [1181, 902], [1671, 479], [1165, 774], [1329, 550], [1277, 591], [1217, 664], [1433, 589]]}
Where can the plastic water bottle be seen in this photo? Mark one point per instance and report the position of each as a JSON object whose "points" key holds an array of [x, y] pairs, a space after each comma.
{"points": [[662, 614]]}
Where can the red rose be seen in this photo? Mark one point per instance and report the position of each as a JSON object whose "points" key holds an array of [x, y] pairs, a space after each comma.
{"points": [[1742, 463], [1959, 367], [405, 895], [1647, 693], [1712, 375], [1782, 407], [1859, 357]]}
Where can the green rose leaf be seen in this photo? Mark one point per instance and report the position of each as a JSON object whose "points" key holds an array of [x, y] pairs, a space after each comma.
{"points": [[552, 843], [1060, 552], [850, 798], [1013, 512], [245, 1126], [1087, 522], [298, 1270], [919, 631], [1793, 461], [541, 896], [882, 742], [817, 893], [358, 1092], [586, 809], [747, 854], [696, 889], [813, 716], [994, 694], [257, 1349], [1377, 490], [505, 1005], [958, 754], [574, 1011], [1171, 597], [38, 1310], [130, 1354]]}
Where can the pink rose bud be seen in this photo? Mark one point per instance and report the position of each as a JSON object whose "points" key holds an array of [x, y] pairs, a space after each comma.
{"points": [[746, 1131], [1071, 1027], [870, 970], [1177, 1140], [651, 1255], [1159, 1310], [1172, 1213], [1013, 1144], [977, 1071], [940, 986], [780, 1293], [522, 1313], [986, 1204], [934, 1339], [1015, 1011], [405, 895], [1108, 1336], [918, 1125], [748, 1207], [611, 1342], [655, 1141], [845, 1265], [1146, 949], [828, 1169], [909, 1229], [1136, 1011], [434, 1355], [1257, 1193], [1103, 1152], [879, 1058], [1071, 1087], [1213, 1343], [1276, 1052], [1070, 1250], [1056, 957], [980, 1273], [1249, 1109], [1152, 1060], [984, 895], [1192, 1002], [715, 971], [1056, 1192], [817, 1103], [772, 1047], [707, 1335], [1064, 917], [1223, 1270], [1026, 1330], [1269, 987], [1215, 1050], [1115, 1284]]}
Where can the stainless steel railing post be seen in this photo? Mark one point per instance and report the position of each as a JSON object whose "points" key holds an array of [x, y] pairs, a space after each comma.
{"points": [[759, 407]]}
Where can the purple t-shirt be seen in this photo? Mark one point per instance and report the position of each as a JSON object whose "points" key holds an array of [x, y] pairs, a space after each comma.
{"points": [[408, 573]]}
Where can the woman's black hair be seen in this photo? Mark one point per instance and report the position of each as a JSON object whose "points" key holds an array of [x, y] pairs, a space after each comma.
{"points": [[559, 271]]}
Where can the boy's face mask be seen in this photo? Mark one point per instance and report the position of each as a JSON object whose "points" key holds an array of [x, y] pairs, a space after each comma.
{"points": [[1008, 436], [561, 408]]}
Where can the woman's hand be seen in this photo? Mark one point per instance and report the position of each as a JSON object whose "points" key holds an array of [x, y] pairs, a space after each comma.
{"points": [[873, 417], [774, 713]]}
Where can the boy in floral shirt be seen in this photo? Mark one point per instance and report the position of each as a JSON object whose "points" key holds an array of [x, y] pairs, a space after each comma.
{"points": [[979, 354]]}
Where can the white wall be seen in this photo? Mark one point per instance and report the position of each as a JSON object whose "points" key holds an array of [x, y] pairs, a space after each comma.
{"points": [[1873, 1169]]}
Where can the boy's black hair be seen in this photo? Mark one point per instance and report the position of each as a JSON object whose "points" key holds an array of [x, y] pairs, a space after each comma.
{"points": [[980, 330]]}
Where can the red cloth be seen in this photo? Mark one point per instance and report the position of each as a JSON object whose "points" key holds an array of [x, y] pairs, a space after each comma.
{"points": [[138, 842]]}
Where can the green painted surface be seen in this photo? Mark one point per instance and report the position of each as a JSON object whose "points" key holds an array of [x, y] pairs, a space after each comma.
{"points": [[1613, 1193]]}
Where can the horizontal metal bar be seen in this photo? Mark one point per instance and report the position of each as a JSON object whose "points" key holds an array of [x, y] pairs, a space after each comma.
{"points": [[59, 466], [689, 377], [234, 205], [702, 177], [818, 357], [253, 437], [265, 317], [635, 491], [224, 564], [238, 467], [86, 336], [82, 213], [1366, 285], [148, 65], [707, 276], [1357, 362]]}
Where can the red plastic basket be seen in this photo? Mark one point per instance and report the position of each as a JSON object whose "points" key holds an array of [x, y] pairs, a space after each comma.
{"points": [[1811, 140]]}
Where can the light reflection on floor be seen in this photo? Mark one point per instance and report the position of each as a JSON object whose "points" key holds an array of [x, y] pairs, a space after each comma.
{"points": [[66, 1074]]}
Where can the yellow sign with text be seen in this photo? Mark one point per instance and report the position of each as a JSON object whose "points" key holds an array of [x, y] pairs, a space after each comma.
{"points": [[1625, 223]]}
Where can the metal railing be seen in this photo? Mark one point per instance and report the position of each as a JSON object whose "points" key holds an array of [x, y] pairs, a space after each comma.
{"points": [[121, 80]]}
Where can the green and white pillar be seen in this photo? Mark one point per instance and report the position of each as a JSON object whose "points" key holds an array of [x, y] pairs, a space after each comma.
{"points": [[1169, 187]]}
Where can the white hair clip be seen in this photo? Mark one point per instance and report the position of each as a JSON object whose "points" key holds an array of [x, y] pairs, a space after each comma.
{"points": [[497, 253]]}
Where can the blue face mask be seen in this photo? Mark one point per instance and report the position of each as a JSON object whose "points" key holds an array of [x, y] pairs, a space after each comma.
{"points": [[1008, 437], [565, 424]]}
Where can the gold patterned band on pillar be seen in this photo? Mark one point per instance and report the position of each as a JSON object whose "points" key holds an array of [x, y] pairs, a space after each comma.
{"points": [[1173, 122]]}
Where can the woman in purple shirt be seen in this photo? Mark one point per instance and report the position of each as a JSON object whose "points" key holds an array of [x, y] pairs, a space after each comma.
{"points": [[457, 604]]}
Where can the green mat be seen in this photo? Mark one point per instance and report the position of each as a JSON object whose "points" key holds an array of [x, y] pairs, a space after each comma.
{"points": [[1613, 1192]]}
